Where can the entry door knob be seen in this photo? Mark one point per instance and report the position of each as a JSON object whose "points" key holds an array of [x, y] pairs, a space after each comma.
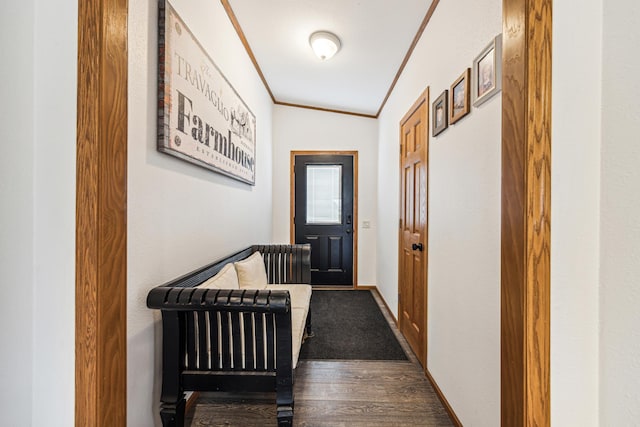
{"points": [[417, 246]]}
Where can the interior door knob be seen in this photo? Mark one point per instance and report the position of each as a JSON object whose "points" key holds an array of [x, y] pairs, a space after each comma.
{"points": [[417, 246]]}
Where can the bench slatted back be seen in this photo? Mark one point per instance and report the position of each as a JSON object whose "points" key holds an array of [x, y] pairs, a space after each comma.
{"points": [[283, 263]]}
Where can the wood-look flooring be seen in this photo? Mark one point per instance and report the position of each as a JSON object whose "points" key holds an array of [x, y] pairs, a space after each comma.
{"points": [[336, 393]]}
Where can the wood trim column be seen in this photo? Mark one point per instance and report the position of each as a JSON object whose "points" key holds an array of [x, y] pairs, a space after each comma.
{"points": [[526, 212], [101, 229]]}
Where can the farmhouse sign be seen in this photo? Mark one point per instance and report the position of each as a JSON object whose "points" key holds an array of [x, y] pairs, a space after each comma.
{"points": [[201, 118]]}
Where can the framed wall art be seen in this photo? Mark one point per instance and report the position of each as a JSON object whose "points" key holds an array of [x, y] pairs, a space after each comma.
{"points": [[487, 72], [459, 105], [201, 118], [439, 114]]}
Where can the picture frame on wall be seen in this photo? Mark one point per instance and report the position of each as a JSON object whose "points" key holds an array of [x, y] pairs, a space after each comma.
{"points": [[201, 117], [439, 119], [459, 105], [487, 72]]}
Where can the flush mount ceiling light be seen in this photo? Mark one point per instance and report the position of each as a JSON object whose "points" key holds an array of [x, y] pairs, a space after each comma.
{"points": [[324, 44]]}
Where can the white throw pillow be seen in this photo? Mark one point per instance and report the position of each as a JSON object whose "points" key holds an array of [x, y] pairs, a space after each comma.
{"points": [[225, 279], [251, 272]]}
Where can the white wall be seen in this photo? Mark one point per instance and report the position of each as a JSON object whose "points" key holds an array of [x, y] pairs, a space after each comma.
{"points": [[55, 210], [575, 182], [620, 216], [595, 343], [37, 243], [181, 216], [17, 170], [299, 129], [464, 213]]}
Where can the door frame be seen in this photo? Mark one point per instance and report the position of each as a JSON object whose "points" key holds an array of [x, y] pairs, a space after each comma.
{"points": [[292, 199], [422, 99], [525, 289], [526, 33], [101, 215]]}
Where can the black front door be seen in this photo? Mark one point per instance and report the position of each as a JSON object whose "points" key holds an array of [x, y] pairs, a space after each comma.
{"points": [[324, 215]]}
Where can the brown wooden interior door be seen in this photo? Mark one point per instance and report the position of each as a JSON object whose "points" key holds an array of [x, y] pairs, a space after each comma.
{"points": [[412, 292]]}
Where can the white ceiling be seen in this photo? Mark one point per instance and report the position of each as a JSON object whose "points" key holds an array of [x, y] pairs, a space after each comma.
{"points": [[375, 36]]}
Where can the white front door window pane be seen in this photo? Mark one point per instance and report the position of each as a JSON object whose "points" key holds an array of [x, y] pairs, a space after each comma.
{"points": [[324, 194]]}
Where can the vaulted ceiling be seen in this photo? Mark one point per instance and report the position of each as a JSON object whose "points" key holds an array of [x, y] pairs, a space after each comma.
{"points": [[377, 38]]}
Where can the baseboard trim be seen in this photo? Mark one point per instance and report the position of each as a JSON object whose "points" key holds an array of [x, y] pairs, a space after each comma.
{"points": [[384, 301], [452, 415], [191, 401], [454, 418]]}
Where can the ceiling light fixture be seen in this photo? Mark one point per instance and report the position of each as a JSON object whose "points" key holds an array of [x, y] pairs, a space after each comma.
{"points": [[324, 44]]}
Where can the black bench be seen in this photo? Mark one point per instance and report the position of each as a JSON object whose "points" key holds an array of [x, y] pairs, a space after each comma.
{"points": [[205, 345]]}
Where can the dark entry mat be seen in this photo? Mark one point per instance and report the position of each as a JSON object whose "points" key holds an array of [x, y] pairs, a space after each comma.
{"points": [[349, 325]]}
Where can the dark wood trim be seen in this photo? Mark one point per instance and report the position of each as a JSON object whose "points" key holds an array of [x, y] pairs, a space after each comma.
{"points": [[101, 215], [245, 43], [526, 213], [292, 199], [384, 301], [424, 97], [454, 418], [356, 228], [191, 401], [365, 288], [328, 110], [414, 43]]}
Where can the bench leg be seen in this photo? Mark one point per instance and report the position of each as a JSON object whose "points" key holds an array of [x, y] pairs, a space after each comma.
{"points": [[308, 333], [284, 400], [285, 415], [172, 414]]}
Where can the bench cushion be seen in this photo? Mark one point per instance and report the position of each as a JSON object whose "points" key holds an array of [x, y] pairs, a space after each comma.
{"points": [[298, 322], [251, 272], [300, 294], [225, 279], [300, 300]]}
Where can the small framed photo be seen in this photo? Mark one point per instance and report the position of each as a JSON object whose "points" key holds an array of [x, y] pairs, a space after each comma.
{"points": [[439, 114], [459, 105], [487, 73]]}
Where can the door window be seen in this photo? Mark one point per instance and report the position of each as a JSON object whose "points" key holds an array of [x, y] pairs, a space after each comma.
{"points": [[324, 194]]}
